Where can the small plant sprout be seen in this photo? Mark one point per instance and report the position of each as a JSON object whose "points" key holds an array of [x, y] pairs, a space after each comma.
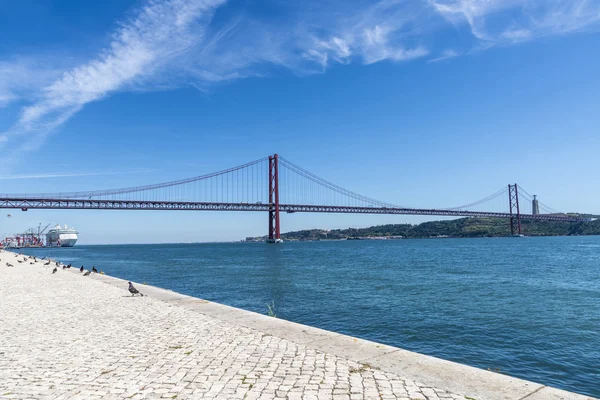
{"points": [[271, 309]]}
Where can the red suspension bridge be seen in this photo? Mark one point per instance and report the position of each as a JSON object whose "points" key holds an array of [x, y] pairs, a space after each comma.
{"points": [[275, 185]]}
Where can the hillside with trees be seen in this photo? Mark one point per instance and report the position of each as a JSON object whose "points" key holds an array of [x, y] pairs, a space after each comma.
{"points": [[459, 228]]}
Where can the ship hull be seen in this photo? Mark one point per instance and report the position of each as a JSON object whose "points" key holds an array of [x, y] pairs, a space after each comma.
{"points": [[68, 242]]}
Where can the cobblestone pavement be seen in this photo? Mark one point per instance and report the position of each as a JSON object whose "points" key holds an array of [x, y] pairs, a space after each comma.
{"points": [[65, 336]]}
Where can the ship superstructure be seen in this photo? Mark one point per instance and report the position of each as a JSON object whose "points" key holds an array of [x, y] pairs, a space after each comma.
{"points": [[61, 236]]}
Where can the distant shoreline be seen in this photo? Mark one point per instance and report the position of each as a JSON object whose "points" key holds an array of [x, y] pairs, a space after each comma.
{"points": [[457, 228]]}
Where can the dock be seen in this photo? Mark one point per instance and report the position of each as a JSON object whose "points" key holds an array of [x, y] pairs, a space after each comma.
{"points": [[66, 336]]}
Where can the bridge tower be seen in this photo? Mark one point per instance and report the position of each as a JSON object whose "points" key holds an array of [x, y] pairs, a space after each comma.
{"points": [[274, 230], [515, 213]]}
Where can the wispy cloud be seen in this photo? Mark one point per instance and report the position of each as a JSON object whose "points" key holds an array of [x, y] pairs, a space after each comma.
{"points": [[160, 31], [52, 175], [173, 43], [509, 21], [20, 77], [445, 55], [307, 38]]}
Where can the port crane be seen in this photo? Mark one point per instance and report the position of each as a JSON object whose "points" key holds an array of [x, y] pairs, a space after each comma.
{"points": [[31, 238]]}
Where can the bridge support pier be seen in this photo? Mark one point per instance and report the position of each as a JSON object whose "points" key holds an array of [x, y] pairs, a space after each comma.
{"points": [[515, 213], [274, 227]]}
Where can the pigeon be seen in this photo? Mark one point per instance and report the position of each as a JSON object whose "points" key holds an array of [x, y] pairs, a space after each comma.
{"points": [[64, 266], [9, 265], [48, 263], [81, 269], [94, 269], [31, 263], [133, 290], [87, 273], [19, 261], [69, 266], [54, 270]]}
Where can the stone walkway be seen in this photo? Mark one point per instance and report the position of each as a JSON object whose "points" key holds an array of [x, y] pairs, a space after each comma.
{"points": [[65, 336]]}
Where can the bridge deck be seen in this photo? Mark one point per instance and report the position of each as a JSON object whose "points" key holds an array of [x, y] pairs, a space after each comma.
{"points": [[94, 204]]}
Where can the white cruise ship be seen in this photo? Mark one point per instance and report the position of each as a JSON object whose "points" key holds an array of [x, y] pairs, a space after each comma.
{"points": [[61, 237]]}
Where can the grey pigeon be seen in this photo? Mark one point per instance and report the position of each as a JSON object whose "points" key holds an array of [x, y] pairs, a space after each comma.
{"points": [[48, 263], [54, 270], [87, 273], [9, 265], [133, 290]]}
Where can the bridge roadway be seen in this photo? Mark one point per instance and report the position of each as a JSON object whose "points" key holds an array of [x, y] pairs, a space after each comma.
{"points": [[93, 204]]}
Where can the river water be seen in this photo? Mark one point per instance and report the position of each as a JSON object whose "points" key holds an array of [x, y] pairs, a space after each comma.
{"points": [[526, 307]]}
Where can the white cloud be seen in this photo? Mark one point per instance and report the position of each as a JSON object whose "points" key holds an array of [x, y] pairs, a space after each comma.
{"points": [[445, 55], [159, 32], [308, 37], [499, 21], [516, 35], [7, 97], [52, 175], [173, 43], [20, 77]]}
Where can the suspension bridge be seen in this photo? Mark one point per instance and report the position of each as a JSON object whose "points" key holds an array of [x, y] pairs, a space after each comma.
{"points": [[275, 185]]}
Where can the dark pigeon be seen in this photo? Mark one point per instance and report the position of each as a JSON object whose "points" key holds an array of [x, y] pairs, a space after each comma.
{"points": [[87, 273], [81, 269], [54, 270], [94, 269], [48, 263], [133, 290], [9, 265]]}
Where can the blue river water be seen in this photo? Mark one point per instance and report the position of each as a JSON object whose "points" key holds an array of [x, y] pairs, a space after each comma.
{"points": [[526, 307]]}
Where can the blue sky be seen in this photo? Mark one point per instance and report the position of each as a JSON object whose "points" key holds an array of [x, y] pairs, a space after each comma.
{"points": [[425, 103]]}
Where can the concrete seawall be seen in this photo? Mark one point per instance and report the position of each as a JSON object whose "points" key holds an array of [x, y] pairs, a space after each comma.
{"points": [[66, 336]]}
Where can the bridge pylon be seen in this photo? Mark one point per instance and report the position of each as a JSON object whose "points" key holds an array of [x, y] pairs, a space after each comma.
{"points": [[515, 213], [274, 226]]}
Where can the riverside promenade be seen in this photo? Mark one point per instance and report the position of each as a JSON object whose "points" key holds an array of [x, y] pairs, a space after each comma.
{"points": [[66, 336]]}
